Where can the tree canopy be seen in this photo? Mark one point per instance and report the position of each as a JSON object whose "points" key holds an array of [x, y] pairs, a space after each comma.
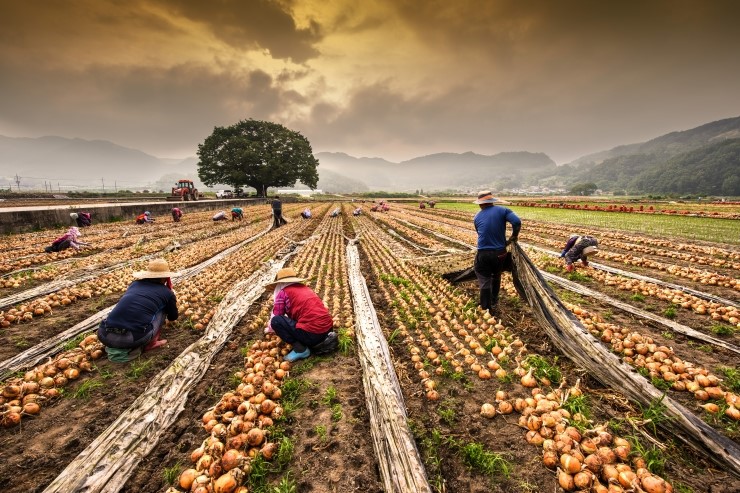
{"points": [[258, 154], [583, 189]]}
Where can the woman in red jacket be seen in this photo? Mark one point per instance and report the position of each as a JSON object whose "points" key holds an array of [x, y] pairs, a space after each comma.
{"points": [[299, 317]]}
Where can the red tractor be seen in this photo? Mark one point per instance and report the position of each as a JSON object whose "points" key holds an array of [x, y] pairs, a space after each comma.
{"points": [[184, 190]]}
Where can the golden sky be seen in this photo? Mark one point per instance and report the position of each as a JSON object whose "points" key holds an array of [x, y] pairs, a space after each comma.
{"points": [[388, 78]]}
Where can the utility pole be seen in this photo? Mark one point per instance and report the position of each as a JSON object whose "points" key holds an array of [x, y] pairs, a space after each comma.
{"points": [[115, 186], [18, 181], [103, 182]]}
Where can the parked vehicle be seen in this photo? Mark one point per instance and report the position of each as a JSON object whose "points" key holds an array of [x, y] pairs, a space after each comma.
{"points": [[224, 194], [184, 190]]}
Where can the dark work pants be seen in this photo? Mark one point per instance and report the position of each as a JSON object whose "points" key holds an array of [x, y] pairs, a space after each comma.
{"points": [[126, 339], [488, 266], [286, 329]]}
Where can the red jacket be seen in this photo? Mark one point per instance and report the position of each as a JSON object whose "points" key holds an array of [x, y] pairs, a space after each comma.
{"points": [[306, 308]]}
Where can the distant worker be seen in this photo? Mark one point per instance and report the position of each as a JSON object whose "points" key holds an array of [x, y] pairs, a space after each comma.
{"points": [[70, 239], [579, 248], [306, 214], [83, 219], [490, 224], [237, 214], [134, 324], [176, 214], [335, 212], [299, 317], [277, 213], [144, 218], [431, 204], [220, 216], [422, 205], [357, 211]]}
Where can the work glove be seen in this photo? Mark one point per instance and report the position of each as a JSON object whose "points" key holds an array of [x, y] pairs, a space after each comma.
{"points": [[512, 239], [569, 268], [585, 263]]}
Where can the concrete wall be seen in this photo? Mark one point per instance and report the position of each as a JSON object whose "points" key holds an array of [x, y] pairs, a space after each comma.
{"points": [[17, 220]]}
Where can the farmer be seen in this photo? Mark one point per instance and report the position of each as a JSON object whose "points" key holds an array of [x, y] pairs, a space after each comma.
{"points": [[277, 213], [579, 247], [422, 205], [134, 324], [176, 214], [357, 211], [335, 212], [306, 214], [490, 224], [144, 218], [219, 216], [237, 214], [83, 219], [299, 317], [67, 240]]}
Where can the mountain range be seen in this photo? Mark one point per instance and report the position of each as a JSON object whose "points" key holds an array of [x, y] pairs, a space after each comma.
{"points": [[702, 160]]}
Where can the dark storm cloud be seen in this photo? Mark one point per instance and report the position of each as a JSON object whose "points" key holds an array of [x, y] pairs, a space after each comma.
{"points": [[264, 24], [143, 107], [392, 78]]}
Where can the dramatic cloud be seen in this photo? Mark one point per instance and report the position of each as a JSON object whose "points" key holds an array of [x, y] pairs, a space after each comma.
{"points": [[387, 78]]}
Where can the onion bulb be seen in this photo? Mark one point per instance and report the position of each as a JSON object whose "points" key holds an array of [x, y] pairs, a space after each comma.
{"points": [[487, 410]]}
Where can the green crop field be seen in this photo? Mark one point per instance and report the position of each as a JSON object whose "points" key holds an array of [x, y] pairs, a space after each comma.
{"points": [[695, 228]]}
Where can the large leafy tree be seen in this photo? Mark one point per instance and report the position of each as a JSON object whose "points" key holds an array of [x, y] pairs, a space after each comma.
{"points": [[258, 154]]}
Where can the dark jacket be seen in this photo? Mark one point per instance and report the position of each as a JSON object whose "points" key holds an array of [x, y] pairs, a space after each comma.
{"points": [[574, 248], [137, 307]]}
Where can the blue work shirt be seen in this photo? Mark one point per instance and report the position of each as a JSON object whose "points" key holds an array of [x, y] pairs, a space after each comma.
{"points": [[137, 307], [490, 224]]}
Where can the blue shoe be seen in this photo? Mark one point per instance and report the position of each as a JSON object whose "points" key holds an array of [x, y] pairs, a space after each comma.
{"points": [[293, 356]]}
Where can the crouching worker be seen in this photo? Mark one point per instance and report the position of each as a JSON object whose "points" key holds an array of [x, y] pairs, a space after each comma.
{"points": [[300, 318], [219, 216], [70, 239], [145, 218], [83, 219], [134, 324], [237, 214], [579, 248], [176, 214]]}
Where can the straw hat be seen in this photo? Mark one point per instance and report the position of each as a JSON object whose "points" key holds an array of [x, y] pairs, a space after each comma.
{"points": [[486, 197], [287, 274], [157, 269], [591, 250]]}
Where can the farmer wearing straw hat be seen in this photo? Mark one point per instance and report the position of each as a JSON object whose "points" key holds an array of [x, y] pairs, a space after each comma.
{"points": [[134, 324], [299, 317], [490, 224], [579, 247]]}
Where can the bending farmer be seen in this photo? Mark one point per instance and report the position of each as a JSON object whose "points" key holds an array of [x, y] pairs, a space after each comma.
{"points": [[579, 248], [136, 321], [299, 317]]}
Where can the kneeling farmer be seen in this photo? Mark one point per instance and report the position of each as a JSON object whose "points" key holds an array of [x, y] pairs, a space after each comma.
{"points": [[299, 317], [134, 324]]}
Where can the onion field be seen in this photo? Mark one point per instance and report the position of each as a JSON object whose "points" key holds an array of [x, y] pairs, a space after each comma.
{"points": [[621, 376]]}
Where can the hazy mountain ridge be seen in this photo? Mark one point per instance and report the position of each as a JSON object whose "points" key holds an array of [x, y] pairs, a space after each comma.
{"points": [[438, 171], [708, 154], [670, 144]]}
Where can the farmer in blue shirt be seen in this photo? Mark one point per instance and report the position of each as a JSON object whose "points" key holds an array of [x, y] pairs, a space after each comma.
{"points": [[490, 224], [135, 322]]}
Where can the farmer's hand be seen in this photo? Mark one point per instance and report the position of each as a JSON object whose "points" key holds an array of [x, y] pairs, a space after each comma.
{"points": [[569, 268]]}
